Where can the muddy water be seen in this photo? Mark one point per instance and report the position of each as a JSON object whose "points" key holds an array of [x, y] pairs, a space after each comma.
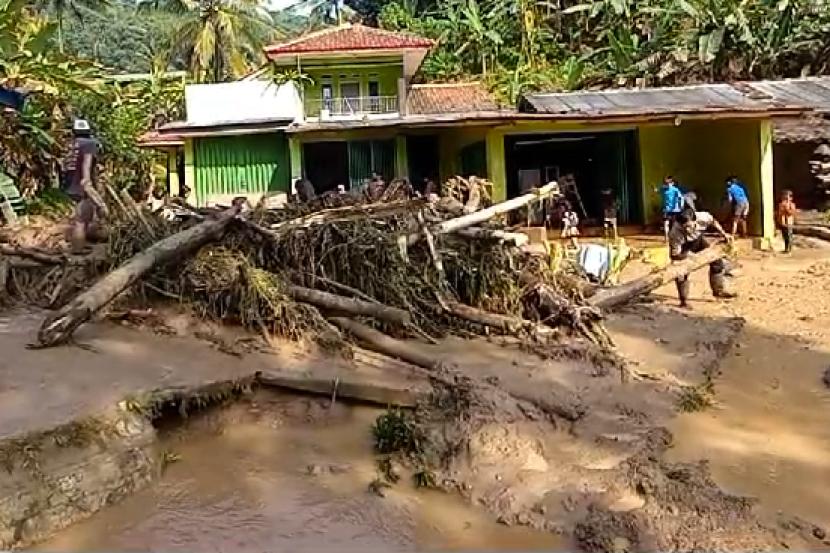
{"points": [[277, 473], [769, 436]]}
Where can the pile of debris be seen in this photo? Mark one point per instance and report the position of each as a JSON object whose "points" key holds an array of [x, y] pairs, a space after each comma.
{"points": [[395, 268], [409, 268]]}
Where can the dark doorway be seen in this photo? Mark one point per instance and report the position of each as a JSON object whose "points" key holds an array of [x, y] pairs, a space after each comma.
{"points": [[422, 153], [791, 161], [326, 165], [597, 161]]}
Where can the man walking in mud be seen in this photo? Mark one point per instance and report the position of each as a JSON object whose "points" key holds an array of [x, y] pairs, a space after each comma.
{"points": [[685, 237], [79, 173]]}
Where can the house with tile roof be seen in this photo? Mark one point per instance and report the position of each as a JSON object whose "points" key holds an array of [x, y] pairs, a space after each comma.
{"points": [[358, 110]]}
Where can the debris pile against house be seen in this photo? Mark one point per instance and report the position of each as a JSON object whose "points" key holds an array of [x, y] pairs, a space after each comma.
{"points": [[334, 268], [412, 268]]}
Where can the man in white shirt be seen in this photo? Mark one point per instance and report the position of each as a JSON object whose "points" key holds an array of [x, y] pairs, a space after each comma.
{"points": [[685, 237]]}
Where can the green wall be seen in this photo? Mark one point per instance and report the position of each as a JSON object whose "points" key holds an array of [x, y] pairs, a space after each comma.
{"points": [[386, 74], [700, 155], [228, 166]]}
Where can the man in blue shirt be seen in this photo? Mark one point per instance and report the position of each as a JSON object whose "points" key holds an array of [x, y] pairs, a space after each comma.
{"points": [[672, 203], [739, 204]]}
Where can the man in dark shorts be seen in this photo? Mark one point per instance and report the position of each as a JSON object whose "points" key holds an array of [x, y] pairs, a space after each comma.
{"points": [[685, 237], [79, 174]]}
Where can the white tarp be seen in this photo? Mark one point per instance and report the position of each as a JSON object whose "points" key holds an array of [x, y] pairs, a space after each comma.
{"points": [[240, 102]]}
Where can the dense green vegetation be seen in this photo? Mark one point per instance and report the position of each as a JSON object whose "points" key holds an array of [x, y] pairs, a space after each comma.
{"points": [[523, 44], [60, 88]]}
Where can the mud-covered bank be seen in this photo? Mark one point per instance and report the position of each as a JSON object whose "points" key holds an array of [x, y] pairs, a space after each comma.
{"points": [[55, 477]]}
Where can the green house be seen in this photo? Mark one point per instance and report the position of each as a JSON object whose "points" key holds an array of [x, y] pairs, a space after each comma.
{"points": [[360, 113]]}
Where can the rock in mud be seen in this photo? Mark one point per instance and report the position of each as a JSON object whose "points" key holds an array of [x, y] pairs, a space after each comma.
{"points": [[827, 377]]}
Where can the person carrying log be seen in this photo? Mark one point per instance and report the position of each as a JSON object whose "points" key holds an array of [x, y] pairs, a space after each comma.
{"points": [[686, 236], [78, 181]]}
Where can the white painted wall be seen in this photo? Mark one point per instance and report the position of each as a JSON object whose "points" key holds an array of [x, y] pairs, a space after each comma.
{"points": [[241, 101]]}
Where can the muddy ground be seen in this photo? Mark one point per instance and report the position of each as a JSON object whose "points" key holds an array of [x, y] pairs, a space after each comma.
{"points": [[623, 474]]}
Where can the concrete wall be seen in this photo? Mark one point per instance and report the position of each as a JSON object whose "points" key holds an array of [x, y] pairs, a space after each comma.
{"points": [[700, 155], [386, 75], [58, 477]]}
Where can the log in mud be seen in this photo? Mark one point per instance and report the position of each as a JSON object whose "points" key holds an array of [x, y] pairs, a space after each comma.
{"points": [[59, 327], [609, 298]]}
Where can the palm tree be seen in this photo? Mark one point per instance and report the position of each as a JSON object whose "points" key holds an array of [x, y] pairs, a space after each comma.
{"points": [[60, 8], [322, 12], [219, 39]]}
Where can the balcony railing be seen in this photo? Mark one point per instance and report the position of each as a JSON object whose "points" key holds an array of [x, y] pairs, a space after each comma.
{"points": [[352, 107]]}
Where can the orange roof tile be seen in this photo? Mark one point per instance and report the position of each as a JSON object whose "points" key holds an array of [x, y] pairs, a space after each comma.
{"points": [[427, 99], [154, 138], [348, 37]]}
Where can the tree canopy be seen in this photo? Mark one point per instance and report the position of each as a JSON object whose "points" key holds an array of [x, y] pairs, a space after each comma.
{"points": [[565, 44]]}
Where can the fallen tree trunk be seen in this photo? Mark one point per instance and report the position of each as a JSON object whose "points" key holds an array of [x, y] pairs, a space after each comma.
{"points": [[465, 221], [352, 306], [350, 386], [58, 327], [813, 231], [386, 345], [36, 257], [516, 238], [503, 323], [498, 321], [609, 298]]}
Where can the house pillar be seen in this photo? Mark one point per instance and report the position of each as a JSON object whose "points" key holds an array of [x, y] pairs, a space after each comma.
{"points": [[496, 165], [190, 171], [173, 184], [295, 150], [766, 180], [401, 158]]}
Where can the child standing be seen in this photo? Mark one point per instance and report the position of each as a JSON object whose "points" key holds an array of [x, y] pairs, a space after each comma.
{"points": [[739, 203], [570, 222], [785, 218], [610, 206], [672, 198]]}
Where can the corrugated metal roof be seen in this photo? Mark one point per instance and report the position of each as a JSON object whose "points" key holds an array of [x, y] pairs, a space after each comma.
{"points": [[802, 129], [812, 92], [712, 98]]}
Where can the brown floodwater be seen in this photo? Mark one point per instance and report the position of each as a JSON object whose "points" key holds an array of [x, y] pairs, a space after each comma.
{"points": [[769, 435], [278, 472]]}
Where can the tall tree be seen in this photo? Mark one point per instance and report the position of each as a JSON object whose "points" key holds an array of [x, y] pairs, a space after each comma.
{"points": [[60, 9], [219, 39]]}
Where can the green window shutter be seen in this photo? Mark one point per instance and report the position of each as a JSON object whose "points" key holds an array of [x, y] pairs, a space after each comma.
{"points": [[383, 158], [237, 165], [366, 156], [360, 163]]}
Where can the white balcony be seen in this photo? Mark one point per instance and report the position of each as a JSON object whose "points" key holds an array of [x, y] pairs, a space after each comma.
{"points": [[356, 107]]}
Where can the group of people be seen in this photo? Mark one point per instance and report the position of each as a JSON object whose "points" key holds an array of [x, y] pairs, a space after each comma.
{"points": [[685, 226], [675, 201]]}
